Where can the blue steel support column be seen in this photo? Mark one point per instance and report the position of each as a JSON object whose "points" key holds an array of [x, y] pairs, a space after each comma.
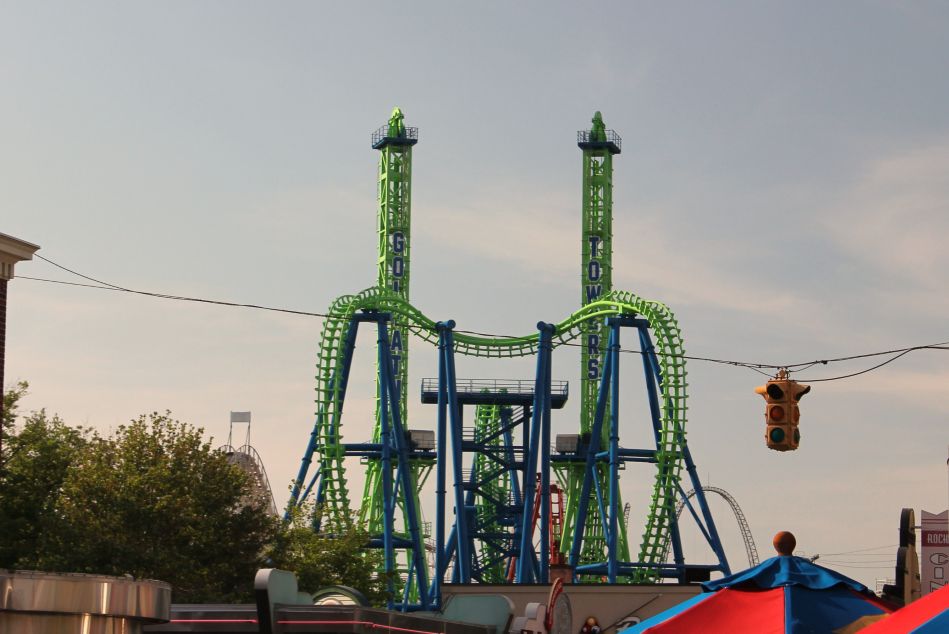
{"points": [[545, 462], [398, 433], [614, 451], [517, 480], [525, 571], [526, 556], [444, 349], [694, 514], [714, 542], [462, 555], [388, 507], [652, 380], [589, 471]]}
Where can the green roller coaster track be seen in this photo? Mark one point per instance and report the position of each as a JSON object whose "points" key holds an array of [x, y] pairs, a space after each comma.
{"points": [[599, 301], [669, 351]]}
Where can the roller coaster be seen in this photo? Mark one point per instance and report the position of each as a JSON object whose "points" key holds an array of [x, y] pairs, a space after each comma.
{"points": [[505, 527], [751, 549]]}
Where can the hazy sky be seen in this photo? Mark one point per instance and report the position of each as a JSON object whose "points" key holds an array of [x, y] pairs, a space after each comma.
{"points": [[783, 186]]}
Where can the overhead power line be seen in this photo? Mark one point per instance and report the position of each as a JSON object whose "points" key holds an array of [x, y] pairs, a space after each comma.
{"points": [[757, 367], [861, 550], [113, 287], [176, 297]]}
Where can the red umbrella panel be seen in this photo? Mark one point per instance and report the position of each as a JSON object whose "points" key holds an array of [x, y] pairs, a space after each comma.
{"points": [[927, 615], [783, 595], [786, 610]]}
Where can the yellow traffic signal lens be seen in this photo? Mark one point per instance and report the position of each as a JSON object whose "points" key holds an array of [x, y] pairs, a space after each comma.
{"points": [[776, 413], [797, 414]]}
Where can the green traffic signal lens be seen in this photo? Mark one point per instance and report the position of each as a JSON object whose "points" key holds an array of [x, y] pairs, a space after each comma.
{"points": [[776, 435]]}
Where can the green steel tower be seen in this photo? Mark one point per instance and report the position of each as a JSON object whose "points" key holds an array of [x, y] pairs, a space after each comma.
{"points": [[596, 282], [596, 276], [395, 230], [394, 142]]}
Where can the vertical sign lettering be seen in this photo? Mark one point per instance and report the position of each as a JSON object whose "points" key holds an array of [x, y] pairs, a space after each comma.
{"points": [[398, 260], [934, 559], [593, 290]]}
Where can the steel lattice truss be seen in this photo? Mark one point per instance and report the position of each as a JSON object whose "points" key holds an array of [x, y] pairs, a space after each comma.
{"points": [[494, 490]]}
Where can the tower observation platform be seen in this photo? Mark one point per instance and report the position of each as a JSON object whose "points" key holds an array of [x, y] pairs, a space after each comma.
{"points": [[496, 392], [394, 133]]}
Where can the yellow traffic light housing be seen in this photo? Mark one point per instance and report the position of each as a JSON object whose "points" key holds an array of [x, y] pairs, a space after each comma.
{"points": [[781, 412]]}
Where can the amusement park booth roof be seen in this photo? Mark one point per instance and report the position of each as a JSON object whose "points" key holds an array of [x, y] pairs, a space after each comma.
{"points": [[783, 595], [928, 615]]}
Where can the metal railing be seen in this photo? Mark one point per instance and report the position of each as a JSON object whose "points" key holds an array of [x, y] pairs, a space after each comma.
{"points": [[610, 136], [498, 386], [411, 134]]}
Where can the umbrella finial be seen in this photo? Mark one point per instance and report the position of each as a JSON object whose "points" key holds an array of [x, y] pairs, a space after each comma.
{"points": [[784, 542]]}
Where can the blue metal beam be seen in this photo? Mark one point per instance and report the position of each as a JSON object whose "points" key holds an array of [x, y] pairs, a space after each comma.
{"points": [[463, 558], [611, 536], [590, 476], [710, 530], [654, 379], [393, 430], [444, 349], [526, 572]]}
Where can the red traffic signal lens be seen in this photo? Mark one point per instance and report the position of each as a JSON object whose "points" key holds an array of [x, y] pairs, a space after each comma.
{"points": [[776, 413]]}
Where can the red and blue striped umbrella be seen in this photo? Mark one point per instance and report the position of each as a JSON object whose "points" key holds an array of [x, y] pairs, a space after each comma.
{"points": [[783, 595], [929, 615]]}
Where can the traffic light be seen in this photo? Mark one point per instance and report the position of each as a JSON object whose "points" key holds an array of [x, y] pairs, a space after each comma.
{"points": [[781, 412]]}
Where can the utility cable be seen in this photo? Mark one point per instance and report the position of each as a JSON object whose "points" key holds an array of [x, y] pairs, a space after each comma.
{"points": [[756, 367], [175, 297], [859, 550]]}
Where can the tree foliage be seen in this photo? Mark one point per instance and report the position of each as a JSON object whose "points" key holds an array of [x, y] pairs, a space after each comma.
{"points": [[11, 401], [36, 458], [320, 560], [154, 500]]}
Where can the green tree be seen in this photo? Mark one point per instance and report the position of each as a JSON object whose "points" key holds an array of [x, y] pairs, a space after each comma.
{"points": [[320, 560], [36, 457], [11, 400], [155, 501]]}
